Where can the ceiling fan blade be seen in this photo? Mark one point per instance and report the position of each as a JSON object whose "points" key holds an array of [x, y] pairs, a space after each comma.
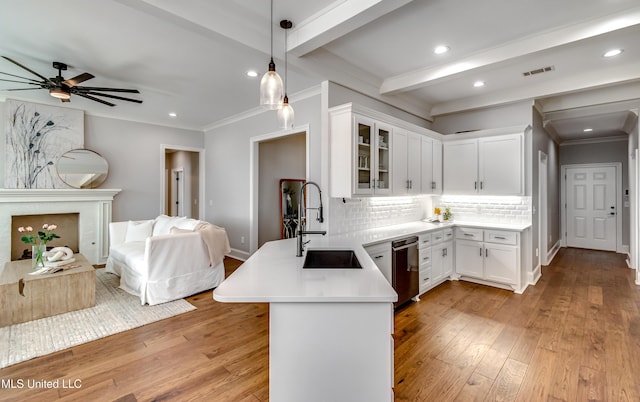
{"points": [[19, 89], [72, 82], [132, 91], [95, 99], [27, 68], [17, 76], [111, 96], [22, 82]]}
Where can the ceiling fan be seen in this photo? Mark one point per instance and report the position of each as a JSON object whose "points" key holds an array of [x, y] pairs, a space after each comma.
{"points": [[62, 89]]}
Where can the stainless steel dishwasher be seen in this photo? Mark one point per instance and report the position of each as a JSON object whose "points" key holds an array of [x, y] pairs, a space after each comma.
{"points": [[405, 269]]}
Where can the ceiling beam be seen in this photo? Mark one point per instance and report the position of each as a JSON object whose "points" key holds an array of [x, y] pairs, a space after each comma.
{"points": [[337, 20], [579, 82], [587, 29]]}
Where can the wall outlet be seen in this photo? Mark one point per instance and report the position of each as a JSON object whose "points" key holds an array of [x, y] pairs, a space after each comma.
{"points": [[241, 239]]}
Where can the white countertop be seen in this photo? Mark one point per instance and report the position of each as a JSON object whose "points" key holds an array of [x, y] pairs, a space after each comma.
{"points": [[274, 274]]}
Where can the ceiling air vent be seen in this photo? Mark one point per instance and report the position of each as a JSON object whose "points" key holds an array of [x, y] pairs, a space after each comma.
{"points": [[539, 71]]}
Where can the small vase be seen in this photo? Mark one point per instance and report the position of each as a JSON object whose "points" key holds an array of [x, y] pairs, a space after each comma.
{"points": [[37, 256]]}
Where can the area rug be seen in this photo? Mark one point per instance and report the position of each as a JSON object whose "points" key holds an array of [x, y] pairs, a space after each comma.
{"points": [[115, 311]]}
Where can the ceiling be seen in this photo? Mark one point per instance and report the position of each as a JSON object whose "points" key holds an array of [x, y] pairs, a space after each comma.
{"points": [[191, 57]]}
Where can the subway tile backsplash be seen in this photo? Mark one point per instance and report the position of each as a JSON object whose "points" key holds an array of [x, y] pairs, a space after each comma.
{"points": [[369, 213], [509, 209]]}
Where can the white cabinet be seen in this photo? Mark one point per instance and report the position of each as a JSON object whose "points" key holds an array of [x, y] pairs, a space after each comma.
{"points": [[489, 165], [406, 162], [435, 250], [488, 255], [360, 155], [431, 166], [381, 255]]}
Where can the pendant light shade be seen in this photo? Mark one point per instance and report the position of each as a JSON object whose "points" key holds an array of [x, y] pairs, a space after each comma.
{"points": [[285, 112], [271, 91]]}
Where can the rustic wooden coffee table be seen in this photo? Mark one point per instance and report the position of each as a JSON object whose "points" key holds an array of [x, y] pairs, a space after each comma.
{"points": [[25, 297]]}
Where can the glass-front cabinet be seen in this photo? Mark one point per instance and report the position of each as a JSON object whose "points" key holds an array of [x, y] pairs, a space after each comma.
{"points": [[373, 158]]}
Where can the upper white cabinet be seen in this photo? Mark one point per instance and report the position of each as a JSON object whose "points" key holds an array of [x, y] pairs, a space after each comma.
{"points": [[489, 165], [407, 162], [372, 154], [431, 165], [360, 155]]}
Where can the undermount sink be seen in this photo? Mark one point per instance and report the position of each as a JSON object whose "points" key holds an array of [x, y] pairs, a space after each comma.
{"points": [[331, 259]]}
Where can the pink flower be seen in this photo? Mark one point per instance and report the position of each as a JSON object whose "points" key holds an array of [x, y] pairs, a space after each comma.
{"points": [[29, 229], [45, 226], [52, 227], [21, 229]]}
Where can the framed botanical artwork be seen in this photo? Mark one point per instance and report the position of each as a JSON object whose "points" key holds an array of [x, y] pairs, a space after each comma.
{"points": [[36, 136]]}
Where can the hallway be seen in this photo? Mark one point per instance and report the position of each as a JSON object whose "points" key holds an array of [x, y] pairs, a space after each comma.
{"points": [[575, 336]]}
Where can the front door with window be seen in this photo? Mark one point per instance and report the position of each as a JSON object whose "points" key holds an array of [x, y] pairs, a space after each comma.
{"points": [[591, 207]]}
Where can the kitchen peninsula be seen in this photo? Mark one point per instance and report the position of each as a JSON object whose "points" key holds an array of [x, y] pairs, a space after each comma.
{"points": [[330, 329]]}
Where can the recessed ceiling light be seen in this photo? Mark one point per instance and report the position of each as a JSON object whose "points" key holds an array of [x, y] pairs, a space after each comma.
{"points": [[441, 49], [173, 114], [613, 52], [587, 130], [478, 84], [252, 73]]}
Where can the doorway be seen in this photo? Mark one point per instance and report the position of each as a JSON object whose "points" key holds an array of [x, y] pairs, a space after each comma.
{"points": [[182, 184], [592, 206], [273, 157]]}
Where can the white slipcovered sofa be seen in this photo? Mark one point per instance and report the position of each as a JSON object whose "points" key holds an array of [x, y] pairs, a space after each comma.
{"points": [[164, 259]]}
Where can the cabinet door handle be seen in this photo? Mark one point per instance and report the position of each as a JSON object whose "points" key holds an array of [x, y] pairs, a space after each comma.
{"points": [[433, 185], [486, 252], [475, 185], [480, 185], [500, 237], [378, 256], [468, 234], [480, 251]]}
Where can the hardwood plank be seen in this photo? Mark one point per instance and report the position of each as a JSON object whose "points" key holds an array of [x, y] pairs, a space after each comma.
{"points": [[574, 336]]}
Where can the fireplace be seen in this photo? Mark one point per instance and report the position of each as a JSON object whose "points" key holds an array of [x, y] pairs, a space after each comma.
{"points": [[67, 229], [92, 207]]}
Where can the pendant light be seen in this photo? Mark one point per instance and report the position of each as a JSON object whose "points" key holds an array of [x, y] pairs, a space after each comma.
{"points": [[285, 113], [271, 83]]}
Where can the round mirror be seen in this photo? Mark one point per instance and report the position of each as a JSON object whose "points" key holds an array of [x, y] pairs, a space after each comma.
{"points": [[82, 168]]}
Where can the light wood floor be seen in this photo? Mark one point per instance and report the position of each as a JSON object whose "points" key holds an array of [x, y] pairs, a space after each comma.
{"points": [[575, 336]]}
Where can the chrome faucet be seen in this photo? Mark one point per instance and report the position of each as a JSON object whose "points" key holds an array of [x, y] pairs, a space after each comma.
{"points": [[301, 232]]}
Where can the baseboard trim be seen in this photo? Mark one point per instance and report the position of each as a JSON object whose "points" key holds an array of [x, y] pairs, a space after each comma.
{"points": [[535, 275], [551, 254], [239, 254]]}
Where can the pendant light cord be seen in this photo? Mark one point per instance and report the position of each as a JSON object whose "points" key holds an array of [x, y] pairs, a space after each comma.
{"points": [[286, 76], [271, 29]]}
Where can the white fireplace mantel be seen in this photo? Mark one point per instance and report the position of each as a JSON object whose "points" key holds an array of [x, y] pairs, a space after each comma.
{"points": [[93, 206]]}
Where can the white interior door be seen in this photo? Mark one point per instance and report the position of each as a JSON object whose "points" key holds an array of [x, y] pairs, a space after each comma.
{"points": [[591, 207]]}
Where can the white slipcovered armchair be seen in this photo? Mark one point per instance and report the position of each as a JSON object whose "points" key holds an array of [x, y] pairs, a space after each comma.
{"points": [[164, 259]]}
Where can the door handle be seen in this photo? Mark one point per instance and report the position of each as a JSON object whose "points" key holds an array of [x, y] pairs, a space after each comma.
{"points": [[612, 213]]}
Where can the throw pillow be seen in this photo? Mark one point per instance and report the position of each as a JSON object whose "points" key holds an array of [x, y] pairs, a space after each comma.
{"points": [[163, 223], [138, 231]]}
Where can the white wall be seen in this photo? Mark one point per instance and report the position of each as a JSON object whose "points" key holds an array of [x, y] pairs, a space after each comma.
{"points": [[513, 114], [339, 95], [133, 153], [228, 166]]}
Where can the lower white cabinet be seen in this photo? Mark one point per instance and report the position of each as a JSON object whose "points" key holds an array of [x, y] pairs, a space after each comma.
{"points": [[492, 256], [436, 258], [381, 255]]}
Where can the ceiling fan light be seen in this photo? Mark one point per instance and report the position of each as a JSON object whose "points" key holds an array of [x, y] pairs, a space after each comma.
{"points": [[285, 114], [271, 90], [59, 93]]}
